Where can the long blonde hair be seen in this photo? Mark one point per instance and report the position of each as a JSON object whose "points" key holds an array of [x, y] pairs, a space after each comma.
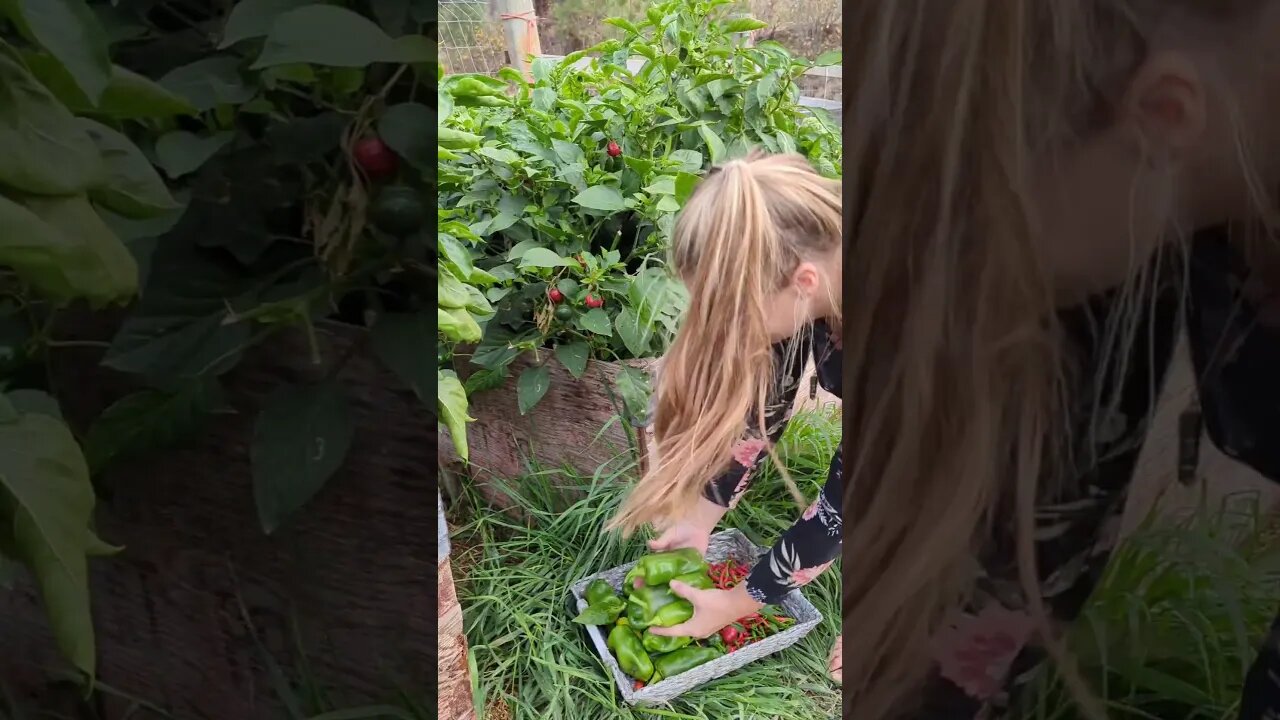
{"points": [[745, 229], [956, 388]]}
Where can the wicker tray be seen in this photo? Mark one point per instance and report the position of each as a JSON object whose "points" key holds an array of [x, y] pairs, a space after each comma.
{"points": [[724, 545]]}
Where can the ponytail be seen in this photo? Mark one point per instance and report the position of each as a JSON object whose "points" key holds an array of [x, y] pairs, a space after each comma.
{"points": [[746, 227]]}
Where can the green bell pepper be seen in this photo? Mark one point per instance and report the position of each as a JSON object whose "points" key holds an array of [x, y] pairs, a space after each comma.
{"points": [[658, 569], [660, 644], [598, 590], [635, 616], [672, 614], [699, 579], [656, 605], [674, 663], [629, 649]]}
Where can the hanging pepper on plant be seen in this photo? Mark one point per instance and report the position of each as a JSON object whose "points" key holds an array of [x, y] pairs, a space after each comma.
{"points": [[376, 159], [472, 91]]}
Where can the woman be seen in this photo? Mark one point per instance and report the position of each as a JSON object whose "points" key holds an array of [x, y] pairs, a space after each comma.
{"points": [[758, 246], [1042, 196]]}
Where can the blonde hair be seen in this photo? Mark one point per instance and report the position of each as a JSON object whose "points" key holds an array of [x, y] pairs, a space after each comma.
{"points": [[956, 387], [745, 229]]}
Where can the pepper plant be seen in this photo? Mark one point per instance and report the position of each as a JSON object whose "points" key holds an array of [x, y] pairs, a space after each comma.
{"points": [[568, 185], [63, 174], [226, 171]]}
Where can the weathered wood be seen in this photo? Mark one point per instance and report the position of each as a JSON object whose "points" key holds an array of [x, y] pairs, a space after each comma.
{"points": [[577, 424], [351, 568], [454, 676]]}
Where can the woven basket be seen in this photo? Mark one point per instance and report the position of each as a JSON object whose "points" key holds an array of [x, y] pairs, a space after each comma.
{"points": [[724, 545]]}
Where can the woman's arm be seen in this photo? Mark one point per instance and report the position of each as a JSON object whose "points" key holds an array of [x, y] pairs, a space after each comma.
{"points": [[803, 552], [1236, 352], [806, 549]]}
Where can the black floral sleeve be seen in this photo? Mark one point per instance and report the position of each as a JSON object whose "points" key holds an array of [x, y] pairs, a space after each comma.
{"points": [[806, 549], [1236, 358], [813, 543]]}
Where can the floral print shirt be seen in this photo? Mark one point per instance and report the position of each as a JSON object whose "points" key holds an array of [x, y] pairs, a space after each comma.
{"points": [[983, 656], [813, 543]]}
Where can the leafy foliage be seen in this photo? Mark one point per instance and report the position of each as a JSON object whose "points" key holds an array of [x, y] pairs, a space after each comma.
{"points": [[206, 155], [557, 197]]}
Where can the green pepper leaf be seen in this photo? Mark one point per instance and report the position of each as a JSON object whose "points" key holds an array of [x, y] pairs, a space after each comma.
{"points": [[451, 404], [601, 613]]}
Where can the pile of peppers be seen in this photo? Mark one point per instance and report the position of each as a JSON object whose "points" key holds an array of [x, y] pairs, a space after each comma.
{"points": [[648, 602], [756, 626]]}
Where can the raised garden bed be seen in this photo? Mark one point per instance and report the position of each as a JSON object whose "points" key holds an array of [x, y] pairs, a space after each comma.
{"points": [[578, 424], [352, 570]]}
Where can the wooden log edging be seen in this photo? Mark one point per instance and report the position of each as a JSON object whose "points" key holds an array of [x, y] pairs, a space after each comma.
{"points": [[577, 424], [455, 701]]}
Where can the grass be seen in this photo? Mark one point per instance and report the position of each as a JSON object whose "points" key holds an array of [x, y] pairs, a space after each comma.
{"points": [[1168, 635], [529, 660], [1176, 620]]}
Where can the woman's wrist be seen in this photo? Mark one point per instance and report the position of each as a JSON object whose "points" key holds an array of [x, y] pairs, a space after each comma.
{"points": [[742, 601], [707, 514]]}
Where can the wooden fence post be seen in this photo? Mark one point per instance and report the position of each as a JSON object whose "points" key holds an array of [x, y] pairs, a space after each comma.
{"points": [[520, 25]]}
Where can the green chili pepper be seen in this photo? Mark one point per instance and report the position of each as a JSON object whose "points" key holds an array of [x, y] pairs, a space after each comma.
{"points": [[632, 658], [598, 590], [472, 87], [674, 663], [699, 579], [660, 644], [658, 569], [481, 101], [457, 139]]}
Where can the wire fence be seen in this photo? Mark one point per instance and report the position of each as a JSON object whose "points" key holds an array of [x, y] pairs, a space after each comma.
{"points": [[471, 38]]}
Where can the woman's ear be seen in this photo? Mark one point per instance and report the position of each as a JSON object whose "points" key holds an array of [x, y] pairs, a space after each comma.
{"points": [[806, 279], [1166, 104]]}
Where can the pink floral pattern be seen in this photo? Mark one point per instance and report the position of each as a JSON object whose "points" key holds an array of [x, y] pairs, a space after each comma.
{"points": [[976, 652], [812, 511], [740, 489], [747, 451], [804, 576]]}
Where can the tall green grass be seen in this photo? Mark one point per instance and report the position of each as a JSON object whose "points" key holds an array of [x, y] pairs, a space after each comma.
{"points": [[1176, 620], [530, 661]]}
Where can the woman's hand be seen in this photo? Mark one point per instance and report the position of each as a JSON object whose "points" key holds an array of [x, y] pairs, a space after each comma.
{"points": [[712, 609], [690, 531]]}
